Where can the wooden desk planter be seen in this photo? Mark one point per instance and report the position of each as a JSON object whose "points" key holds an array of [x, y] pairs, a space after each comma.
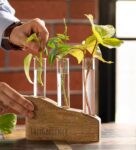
{"points": [[57, 124]]}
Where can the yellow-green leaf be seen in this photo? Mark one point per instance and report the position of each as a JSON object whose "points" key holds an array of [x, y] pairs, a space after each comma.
{"points": [[101, 31], [96, 34], [62, 36], [97, 54], [105, 31], [27, 62], [112, 42], [78, 54], [91, 46], [32, 37], [46, 51], [90, 17], [39, 74], [90, 39]]}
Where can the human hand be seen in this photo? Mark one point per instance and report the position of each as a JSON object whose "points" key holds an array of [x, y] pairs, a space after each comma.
{"points": [[10, 98], [20, 33]]}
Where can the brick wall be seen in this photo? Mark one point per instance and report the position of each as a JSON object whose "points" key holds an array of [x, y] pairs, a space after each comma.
{"points": [[53, 12]]}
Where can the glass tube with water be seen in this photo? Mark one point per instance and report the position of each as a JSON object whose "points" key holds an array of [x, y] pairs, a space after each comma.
{"points": [[39, 87]]}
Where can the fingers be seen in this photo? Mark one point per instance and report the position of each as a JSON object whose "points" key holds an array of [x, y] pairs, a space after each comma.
{"points": [[3, 108], [32, 46], [17, 97], [39, 27], [9, 102], [14, 100]]}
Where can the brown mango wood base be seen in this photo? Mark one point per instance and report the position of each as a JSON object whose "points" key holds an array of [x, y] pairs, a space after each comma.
{"points": [[57, 124]]}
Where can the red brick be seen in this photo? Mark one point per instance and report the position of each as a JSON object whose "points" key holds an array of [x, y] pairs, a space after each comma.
{"points": [[50, 29], [16, 58], [53, 97], [76, 32], [21, 121], [2, 57], [76, 101], [46, 9], [17, 80], [80, 7], [75, 80], [51, 81], [72, 61]]}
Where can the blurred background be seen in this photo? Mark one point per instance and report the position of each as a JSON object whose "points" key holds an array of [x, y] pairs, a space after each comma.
{"points": [[115, 84]]}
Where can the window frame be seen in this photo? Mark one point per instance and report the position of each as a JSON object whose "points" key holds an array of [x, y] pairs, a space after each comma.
{"points": [[107, 78]]}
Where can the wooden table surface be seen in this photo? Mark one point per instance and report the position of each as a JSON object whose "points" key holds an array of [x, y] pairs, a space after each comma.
{"points": [[113, 137]]}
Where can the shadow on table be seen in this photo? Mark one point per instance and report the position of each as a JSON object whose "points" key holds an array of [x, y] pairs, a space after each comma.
{"points": [[24, 144]]}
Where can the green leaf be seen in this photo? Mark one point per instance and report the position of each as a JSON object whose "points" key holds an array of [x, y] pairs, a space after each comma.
{"points": [[27, 62], [53, 42], [78, 54], [52, 59], [63, 48], [52, 55], [7, 123], [32, 37], [63, 37], [112, 42], [57, 45]]}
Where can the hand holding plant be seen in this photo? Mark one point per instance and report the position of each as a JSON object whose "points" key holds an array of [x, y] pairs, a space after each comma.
{"points": [[28, 59]]}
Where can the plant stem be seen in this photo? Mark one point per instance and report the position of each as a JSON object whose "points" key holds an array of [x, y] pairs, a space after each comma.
{"points": [[66, 99], [85, 82], [40, 67], [86, 97]]}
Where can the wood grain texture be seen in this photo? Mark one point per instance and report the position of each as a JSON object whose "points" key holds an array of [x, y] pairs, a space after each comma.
{"points": [[57, 124], [114, 137]]}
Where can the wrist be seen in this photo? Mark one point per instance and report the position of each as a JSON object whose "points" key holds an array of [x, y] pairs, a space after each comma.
{"points": [[6, 44]]}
